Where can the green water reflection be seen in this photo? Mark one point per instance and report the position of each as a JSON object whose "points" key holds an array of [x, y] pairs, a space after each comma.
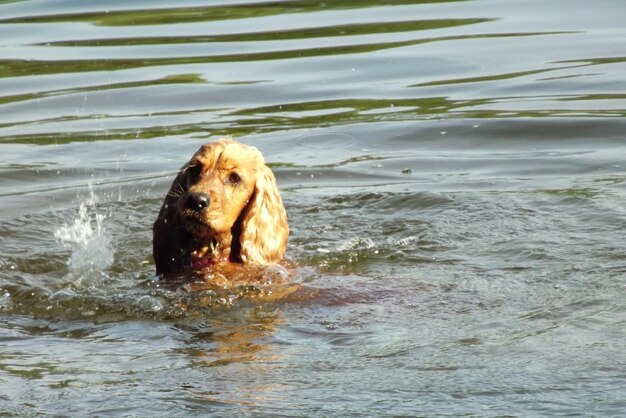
{"points": [[211, 13]]}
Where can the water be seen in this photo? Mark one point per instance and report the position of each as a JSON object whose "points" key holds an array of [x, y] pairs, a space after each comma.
{"points": [[454, 174]]}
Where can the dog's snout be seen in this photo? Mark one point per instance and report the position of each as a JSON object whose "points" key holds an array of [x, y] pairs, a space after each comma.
{"points": [[197, 201]]}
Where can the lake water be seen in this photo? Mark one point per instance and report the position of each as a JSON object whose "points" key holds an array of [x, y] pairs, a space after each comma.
{"points": [[454, 174]]}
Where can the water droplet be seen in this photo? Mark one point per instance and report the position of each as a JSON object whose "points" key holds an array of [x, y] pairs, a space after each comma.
{"points": [[91, 245]]}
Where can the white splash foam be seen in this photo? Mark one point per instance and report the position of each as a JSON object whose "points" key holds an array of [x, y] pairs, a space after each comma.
{"points": [[86, 236], [357, 243]]}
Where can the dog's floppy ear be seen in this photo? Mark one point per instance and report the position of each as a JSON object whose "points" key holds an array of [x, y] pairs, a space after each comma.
{"points": [[168, 233], [264, 226]]}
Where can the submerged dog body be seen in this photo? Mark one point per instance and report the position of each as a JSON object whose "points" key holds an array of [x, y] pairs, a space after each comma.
{"points": [[223, 206]]}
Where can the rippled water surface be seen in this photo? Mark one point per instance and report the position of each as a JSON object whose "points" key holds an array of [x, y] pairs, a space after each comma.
{"points": [[454, 174]]}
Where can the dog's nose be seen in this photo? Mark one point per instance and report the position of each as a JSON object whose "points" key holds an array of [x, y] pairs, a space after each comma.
{"points": [[197, 201]]}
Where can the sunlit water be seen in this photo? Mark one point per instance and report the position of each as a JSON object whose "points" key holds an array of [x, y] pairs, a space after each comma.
{"points": [[454, 174]]}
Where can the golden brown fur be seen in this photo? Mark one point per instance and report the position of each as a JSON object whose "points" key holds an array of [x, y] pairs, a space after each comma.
{"points": [[223, 206]]}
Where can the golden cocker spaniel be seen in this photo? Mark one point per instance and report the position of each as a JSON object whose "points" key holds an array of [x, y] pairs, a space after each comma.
{"points": [[223, 207]]}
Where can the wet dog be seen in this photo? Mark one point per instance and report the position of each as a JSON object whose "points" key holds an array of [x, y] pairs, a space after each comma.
{"points": [[223, 207]]}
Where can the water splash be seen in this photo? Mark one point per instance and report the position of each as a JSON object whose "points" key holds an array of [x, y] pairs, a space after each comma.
{"points": [[86, 236]]}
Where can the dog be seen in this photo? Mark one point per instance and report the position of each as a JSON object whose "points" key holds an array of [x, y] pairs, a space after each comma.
{"points": [[223, 207]]}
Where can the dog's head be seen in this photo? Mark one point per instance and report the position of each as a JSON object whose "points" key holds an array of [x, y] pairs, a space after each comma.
{"points": [[223, 205]]}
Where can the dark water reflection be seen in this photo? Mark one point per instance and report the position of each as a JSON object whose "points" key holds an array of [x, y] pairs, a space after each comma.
{"points": [[453, 173]]}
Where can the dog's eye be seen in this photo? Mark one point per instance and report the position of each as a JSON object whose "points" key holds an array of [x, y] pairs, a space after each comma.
{"points": [[194, 170], [234, 178]]}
